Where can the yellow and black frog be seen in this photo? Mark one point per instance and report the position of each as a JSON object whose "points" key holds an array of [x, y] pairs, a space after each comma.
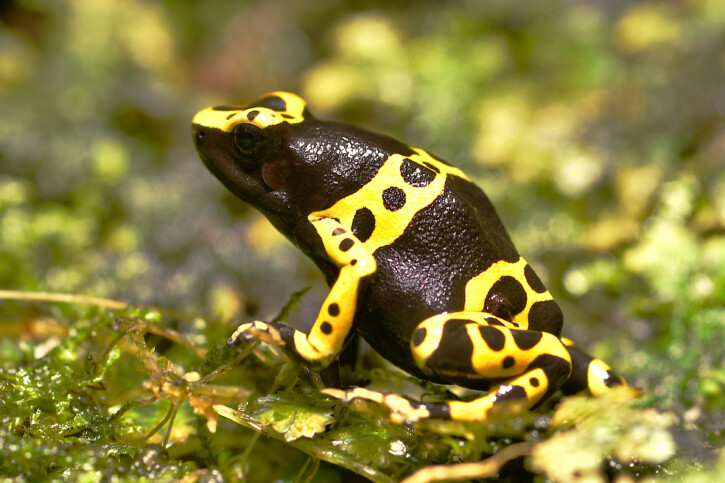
{"points": [[418, 261]]}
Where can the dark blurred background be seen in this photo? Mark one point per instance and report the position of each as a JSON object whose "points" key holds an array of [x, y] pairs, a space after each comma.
{"points": [[597, 129]]}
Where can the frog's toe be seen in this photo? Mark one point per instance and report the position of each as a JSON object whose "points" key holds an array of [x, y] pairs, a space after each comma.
{"points": [[255, 331]]}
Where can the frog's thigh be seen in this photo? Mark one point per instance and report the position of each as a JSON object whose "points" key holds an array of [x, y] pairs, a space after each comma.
{"points": [[474, 345], [334, 322]]}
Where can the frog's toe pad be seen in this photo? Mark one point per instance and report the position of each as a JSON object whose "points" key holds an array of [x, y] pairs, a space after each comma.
{"points": [[256, 330], [399, 409]]}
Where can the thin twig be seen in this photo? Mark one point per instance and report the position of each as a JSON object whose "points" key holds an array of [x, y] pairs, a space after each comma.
{"points": [[156, 429], [104, 357], [228, 365], [465, 471], [308, 470], [130, 405], [171, 425], [64, 298], [75, 299], [250, 446]]}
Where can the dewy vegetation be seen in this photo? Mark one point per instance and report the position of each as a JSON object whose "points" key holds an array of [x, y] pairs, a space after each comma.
{"points": [[122, 393]]}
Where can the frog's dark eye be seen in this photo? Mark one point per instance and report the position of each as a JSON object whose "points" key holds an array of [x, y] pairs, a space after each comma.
{"points": [[248, 139]]}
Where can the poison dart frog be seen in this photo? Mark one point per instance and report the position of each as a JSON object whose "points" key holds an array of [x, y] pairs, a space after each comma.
{"points": [[418, 262]]}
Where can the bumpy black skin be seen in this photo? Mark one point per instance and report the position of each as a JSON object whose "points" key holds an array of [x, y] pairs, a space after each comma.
{"points": [[309, 165]]}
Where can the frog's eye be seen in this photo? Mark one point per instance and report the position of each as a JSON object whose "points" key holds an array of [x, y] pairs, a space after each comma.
{"points": [[248, 139]]}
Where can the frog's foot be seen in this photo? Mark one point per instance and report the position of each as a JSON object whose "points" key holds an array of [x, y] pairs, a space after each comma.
{"points": [[588, 373], [505, 400], [293, 342], [258, 331], [399, 410]]}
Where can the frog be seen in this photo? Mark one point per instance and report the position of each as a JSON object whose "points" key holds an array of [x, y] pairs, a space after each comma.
{"points": [[418, 262]]}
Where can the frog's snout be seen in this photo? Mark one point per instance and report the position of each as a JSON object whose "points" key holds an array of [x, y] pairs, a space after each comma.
{"points": [[197, 133], [200, 136]]}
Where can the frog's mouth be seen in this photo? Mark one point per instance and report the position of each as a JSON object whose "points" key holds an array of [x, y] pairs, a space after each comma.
{"points": [[258, 187]]}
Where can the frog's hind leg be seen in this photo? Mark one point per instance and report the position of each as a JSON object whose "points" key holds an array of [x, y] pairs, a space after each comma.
{"points": [[588, 373], [475, 350], [469, 347]]}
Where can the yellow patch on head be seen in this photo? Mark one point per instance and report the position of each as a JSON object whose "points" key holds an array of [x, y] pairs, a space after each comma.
{"points": [[226, 118]]}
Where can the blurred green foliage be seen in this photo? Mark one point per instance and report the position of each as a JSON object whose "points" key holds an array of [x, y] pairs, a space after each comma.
{"points": [[597, 128]]}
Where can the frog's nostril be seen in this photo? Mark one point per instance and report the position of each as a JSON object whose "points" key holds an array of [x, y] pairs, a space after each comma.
{"points": [[198, 134]]}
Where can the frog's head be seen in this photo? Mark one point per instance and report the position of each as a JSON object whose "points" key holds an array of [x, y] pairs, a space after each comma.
{"points": [[244, 146], [273, 154]]}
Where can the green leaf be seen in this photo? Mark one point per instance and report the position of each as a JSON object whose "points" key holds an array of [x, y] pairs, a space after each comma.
{"points": [[294, 415]]}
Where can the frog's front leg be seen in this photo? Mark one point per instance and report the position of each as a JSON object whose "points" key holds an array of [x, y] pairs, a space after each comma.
{"points": [[473, 349], [334, 322]]}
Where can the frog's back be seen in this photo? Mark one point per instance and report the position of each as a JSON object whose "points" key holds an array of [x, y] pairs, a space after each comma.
{"points": [[436, 238], [426, 269]]}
